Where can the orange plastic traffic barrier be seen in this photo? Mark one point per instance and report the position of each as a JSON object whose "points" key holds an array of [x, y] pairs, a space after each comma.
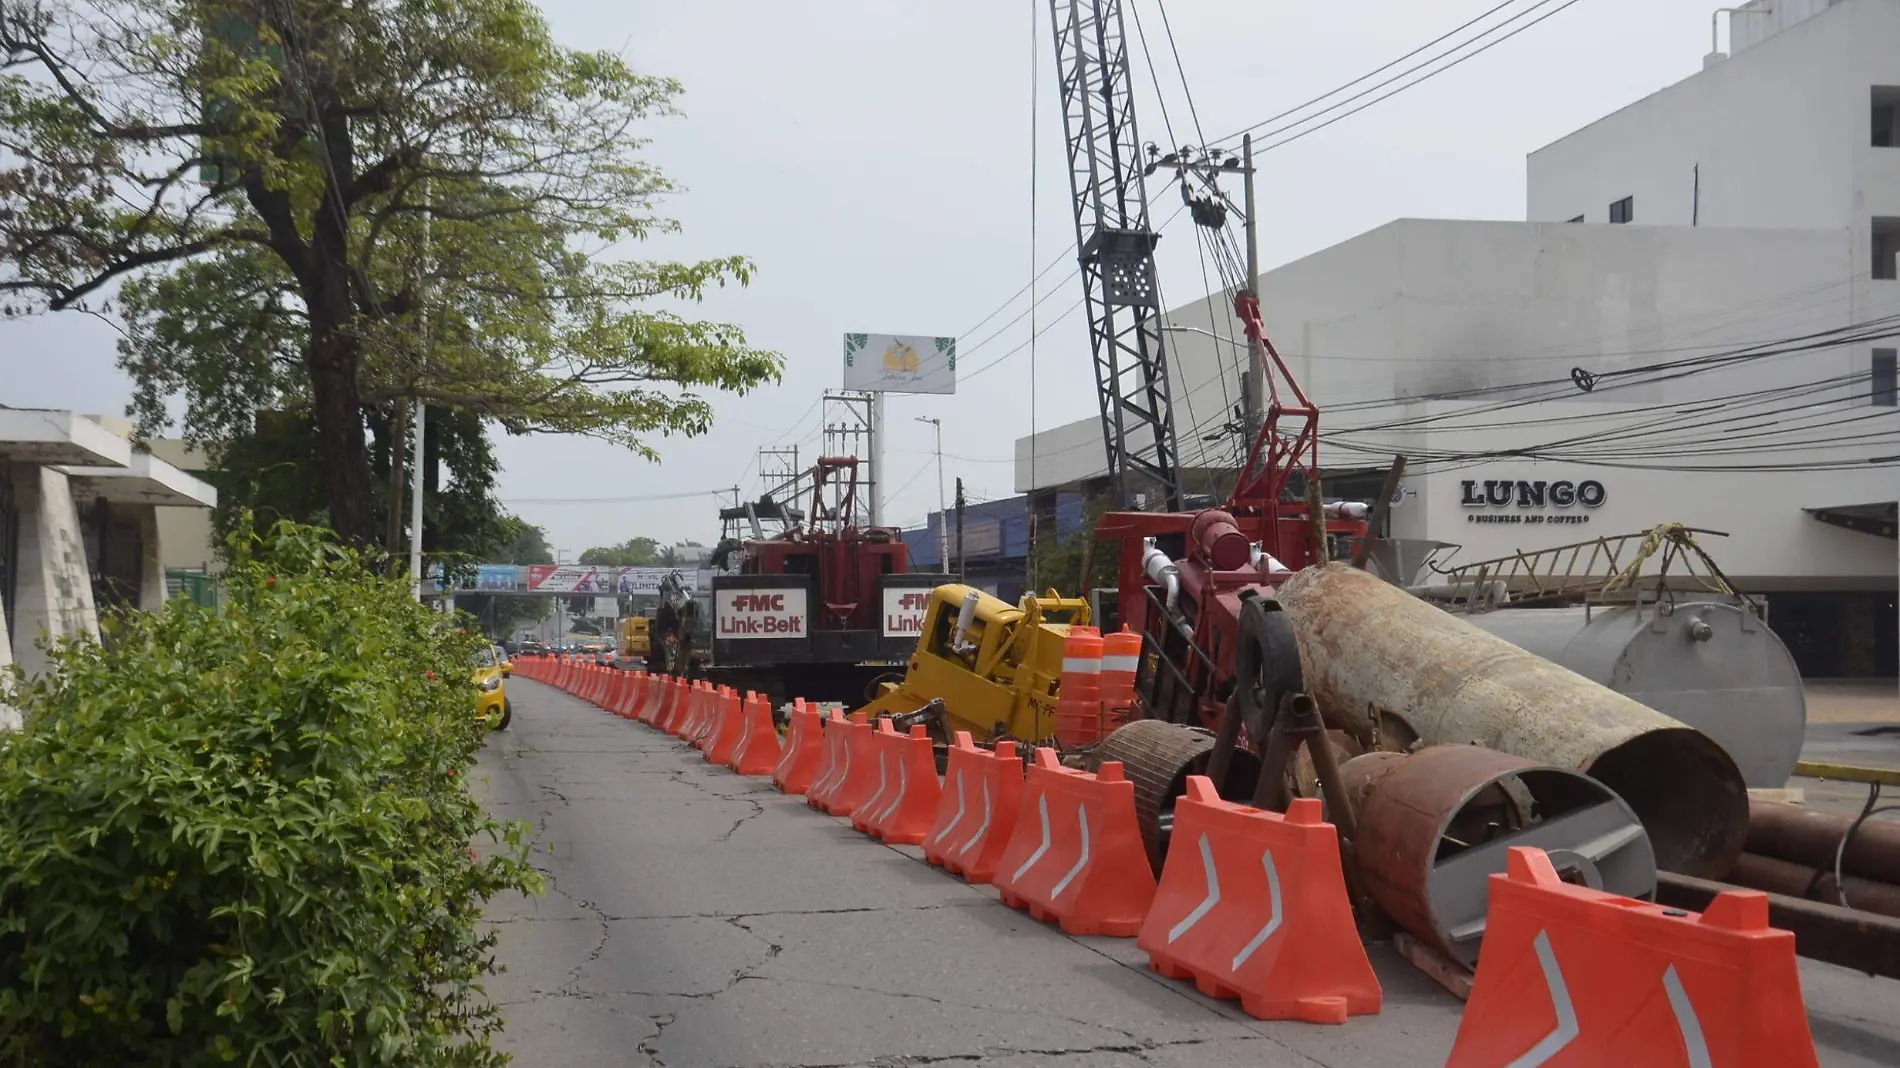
{"points": [[758, 749], [658, 686], [629, 704], [1076, 855], [1121, 657], [673, 716], [858, 771], [977, 810], [712, 717], [1570, 976], [803, 755], [903, 813], [590, 685], [837, 765], [1252, 905], [881, 735], [728, 726], [1079, 696]]}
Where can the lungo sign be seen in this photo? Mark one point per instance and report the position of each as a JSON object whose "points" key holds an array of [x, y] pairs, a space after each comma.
{"points": [[1504, 492]]}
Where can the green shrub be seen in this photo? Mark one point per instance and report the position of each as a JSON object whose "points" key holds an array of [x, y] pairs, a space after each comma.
{"points": [[245, 837]]}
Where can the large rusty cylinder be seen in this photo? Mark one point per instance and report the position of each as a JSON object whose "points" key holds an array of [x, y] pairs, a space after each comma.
{"points": [[1804, 836], [1435, 825], [1390, 669]]}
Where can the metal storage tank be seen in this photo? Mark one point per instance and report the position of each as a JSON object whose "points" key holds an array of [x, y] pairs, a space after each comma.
{"points": [[1713, 665]]}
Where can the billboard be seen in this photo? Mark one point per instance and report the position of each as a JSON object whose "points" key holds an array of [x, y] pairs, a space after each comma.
{"points": [[587, 578], [892, 363], [497, 577]]}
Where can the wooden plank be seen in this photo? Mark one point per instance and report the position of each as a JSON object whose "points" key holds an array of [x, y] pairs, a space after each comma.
{"points": [[1445, 972], [1847, 773]]}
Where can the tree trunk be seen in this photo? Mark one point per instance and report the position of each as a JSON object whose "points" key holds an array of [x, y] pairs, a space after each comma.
{"points": [[333, 359]]}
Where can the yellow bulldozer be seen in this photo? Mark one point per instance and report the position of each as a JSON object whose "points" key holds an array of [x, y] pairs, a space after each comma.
{"points": [[994, 666]]}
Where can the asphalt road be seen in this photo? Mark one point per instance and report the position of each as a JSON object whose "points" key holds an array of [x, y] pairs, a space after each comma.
{"points": [[696, 919]]}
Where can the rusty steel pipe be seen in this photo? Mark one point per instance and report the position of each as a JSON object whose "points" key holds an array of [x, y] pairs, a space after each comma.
{"points": [[1389, 669], [1858, 940], [1804, 836], [1786, 877], [1436, 824]]}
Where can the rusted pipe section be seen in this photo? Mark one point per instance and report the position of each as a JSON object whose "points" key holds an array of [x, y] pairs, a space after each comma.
{"points": [[1435, 825], [1858, 940], [1786, 877], [1389, 669], [1804, 836]]}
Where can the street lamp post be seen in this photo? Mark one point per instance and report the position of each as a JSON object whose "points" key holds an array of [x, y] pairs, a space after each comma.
{"points": [[943, 522]]}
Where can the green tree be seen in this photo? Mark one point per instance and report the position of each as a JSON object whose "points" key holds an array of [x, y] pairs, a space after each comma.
{"points": [[1058, 561], [634, 552], [337, 208]]}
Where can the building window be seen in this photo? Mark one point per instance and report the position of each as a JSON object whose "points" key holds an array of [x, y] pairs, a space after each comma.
{"points": [[1886, 386], [1884, 240], [1577, 219], [1885, 105], [1623, 211]]}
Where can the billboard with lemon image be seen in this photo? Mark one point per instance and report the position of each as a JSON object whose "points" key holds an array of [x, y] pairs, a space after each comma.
{"points": [[893, 363]]}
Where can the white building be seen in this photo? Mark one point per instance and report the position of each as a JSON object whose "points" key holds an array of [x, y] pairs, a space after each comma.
{"points": [[1732, 335], [81, 518]]}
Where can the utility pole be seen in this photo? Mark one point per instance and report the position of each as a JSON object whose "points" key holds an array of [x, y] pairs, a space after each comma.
{"points": [[415, 446], [943, 519], [1212, 212], [962, 574], [1254, 384]]}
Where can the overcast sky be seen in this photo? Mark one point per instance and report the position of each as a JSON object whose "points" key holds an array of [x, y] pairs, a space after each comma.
{"points": [[874, 158]]}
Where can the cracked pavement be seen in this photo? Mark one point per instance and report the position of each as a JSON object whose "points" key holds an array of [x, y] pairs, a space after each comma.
{"points": [[697, 919]]}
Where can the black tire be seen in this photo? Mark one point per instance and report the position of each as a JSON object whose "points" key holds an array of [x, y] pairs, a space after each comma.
{"points": [[507, 714]]}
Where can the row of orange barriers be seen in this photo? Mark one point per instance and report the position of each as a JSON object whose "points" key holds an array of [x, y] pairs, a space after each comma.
{"points": [[1252, 905]]}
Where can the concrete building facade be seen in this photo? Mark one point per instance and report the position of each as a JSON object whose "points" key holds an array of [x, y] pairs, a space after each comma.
{"points": [[1724, 359], [80, 529]]}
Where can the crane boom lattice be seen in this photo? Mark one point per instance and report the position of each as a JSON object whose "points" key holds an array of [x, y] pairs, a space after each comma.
{"points": [[1115, 245]]}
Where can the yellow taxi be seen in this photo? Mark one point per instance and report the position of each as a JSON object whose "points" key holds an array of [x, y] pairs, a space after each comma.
{"points": [[492, 669]]}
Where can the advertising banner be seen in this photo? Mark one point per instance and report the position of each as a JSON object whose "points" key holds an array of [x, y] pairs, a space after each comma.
{"points": [[904, 612], [760, 613], [497, 577], [646, 580], [889, 363], [568, 578]]}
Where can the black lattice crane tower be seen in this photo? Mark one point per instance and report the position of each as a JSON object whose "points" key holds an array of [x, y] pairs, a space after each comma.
{"points": [[1115, 244]]}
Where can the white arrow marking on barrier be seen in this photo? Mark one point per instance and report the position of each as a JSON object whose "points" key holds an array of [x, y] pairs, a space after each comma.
{"points": [[1273, 917], [948, 827], [831, 765], [903, 783], [1207, 904], [1042, 803], [883, 781], [1686, 1020], [1566, 1030], [981, 828], [1082, 816]]}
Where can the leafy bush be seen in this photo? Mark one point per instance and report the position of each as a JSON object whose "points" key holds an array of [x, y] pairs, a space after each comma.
{"points": [[246, 837]]}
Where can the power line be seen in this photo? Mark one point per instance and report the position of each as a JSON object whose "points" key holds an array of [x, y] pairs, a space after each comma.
{"points": [[1380, 70], [1415, 82]]}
